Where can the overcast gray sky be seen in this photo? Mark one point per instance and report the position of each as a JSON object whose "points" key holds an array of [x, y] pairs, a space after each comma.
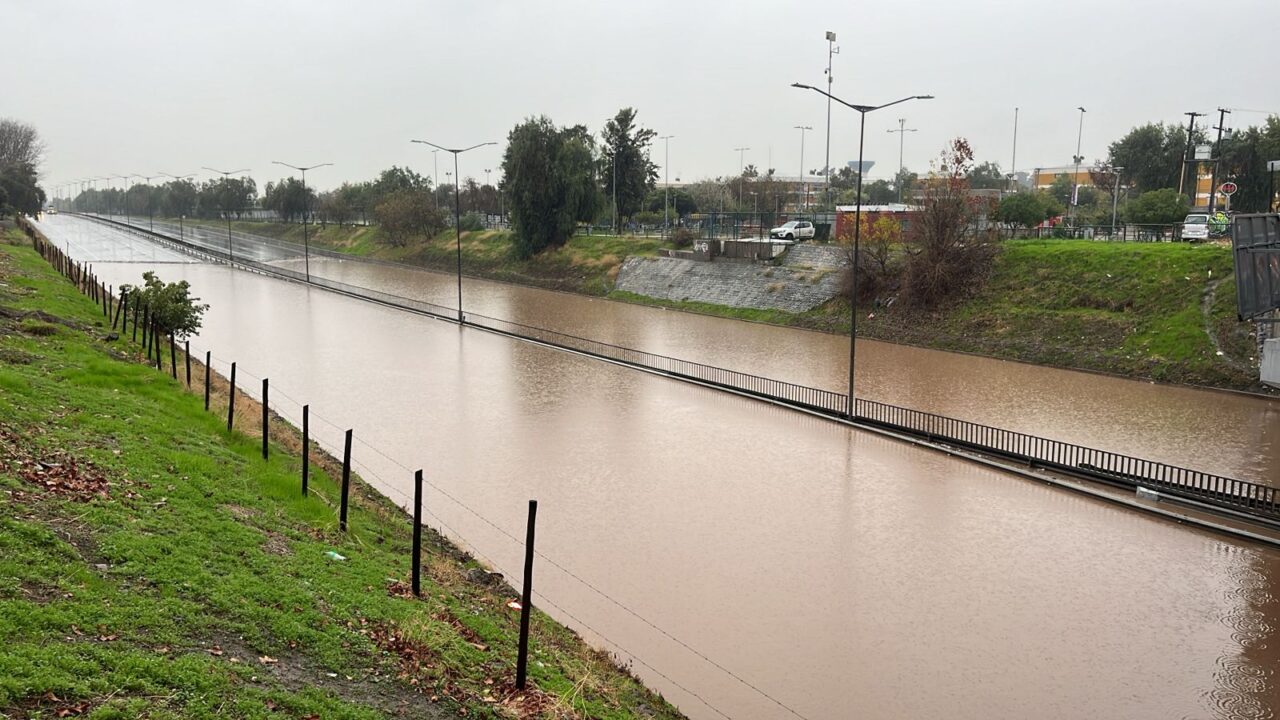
{"points": [[142, 87]]}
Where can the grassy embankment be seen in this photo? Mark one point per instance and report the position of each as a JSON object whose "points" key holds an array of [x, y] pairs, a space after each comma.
{"points": [[153, 565], [1153, 310]]}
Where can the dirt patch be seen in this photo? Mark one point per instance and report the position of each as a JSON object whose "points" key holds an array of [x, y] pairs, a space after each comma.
{"points": [[58, 473], [16, 357], [49, 705], [277, 544], [296, 672]]}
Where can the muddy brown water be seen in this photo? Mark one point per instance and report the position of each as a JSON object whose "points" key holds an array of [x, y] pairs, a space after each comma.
{"points": [[841, 573]]}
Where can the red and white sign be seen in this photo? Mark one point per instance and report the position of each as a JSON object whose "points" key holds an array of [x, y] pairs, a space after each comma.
{"points": [[1228, 188]]}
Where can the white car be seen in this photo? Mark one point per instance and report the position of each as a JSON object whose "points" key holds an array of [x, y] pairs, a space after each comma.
{"points": [[794, 230], [1196, 227]]}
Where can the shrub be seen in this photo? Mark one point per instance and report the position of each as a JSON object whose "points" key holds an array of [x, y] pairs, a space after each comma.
{"points": [[471, 222], [683, 237], [173, 309]]}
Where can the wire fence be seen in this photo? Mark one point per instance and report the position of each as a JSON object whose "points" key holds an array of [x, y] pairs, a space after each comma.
{"points": [[117, 311], [1237, 496]]}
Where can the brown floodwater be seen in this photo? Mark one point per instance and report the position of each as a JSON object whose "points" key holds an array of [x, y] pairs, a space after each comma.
{"points": [[842, 573]]}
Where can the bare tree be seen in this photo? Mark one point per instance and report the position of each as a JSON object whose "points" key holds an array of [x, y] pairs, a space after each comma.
{"points": [[20, 144], [949, 251]]}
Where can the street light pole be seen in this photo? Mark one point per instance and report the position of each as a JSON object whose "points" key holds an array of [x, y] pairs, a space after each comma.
{"points": [[804, 186], [306, 208], [832, 50], [1115, 198], [862, 111], [226, 177], [457, 209], [902, 133], [741, 180], [1075, 179], [435, 178], [666, 181]]}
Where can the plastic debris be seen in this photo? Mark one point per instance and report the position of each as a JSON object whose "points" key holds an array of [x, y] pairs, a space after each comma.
{"points": [[334, 556]]}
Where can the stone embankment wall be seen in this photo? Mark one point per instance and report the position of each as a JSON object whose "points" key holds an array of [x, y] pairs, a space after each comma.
{"points": [[808, 276]]}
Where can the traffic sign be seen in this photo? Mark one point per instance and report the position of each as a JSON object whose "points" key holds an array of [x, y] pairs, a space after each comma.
{"points": [[1227, 188]]}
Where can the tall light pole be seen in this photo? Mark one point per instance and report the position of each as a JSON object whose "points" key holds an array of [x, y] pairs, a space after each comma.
{"points": [[832, 50], [902, 133], [862, 111], [457, 208], [125, 197], [226, 177], [181, 215], [741, 166], [666, 181], [151, 202], [617, 224], [804, 186], [306, 208], [1013, 164], [487, 182], [1115, 197], [1075, 179]]}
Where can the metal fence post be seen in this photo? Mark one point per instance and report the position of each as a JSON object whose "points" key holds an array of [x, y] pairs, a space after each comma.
{"points": [[122, 308], [208, 357], [306, 445], [526, 599], [231, 403], [346, 481], [417, 533], [266, 434], [173, 357], [186, 352]]}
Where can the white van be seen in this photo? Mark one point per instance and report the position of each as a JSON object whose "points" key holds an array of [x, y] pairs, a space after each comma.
{"points": [[1196, 227]]}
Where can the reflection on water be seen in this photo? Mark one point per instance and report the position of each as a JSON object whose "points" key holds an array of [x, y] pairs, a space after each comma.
{"points": [[846, 574]]}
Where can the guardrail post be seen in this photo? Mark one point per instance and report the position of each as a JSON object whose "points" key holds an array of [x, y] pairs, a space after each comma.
{"points": [[265, 419], [306, 445], [417, 533], [346, 482], [526, 599], [208, 356], [231, 402]]}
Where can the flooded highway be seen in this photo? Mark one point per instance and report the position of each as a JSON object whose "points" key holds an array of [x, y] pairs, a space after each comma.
{"points": [[835, 573]]}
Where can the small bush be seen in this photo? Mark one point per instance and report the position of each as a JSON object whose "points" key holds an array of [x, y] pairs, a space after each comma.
{"points": [[471, 222], [683, 237]]}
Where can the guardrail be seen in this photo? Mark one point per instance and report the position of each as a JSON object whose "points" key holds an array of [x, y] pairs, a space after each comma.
{"points": [[1252, 499]]}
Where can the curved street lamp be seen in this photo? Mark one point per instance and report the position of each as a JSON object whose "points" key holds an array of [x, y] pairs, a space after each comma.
{"points": [[306, 244], [862, 111]]}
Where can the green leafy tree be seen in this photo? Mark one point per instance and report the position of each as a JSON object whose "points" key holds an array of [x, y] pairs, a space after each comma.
{"points": [[987, 176], [404, 214], [172, 308], [1151, 155], [178, 198], [1165, 206], [1244, 161], [289, 198], [550, 183], [23, 194], [1026, 209], [880, 192], [625, 146]]}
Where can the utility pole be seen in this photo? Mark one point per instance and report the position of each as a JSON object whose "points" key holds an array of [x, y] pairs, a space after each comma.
{"points": [[902, 132], [666, 181], [1217, 154], [1075, 179], [832, 50], [1187, 154], [804, 186]]}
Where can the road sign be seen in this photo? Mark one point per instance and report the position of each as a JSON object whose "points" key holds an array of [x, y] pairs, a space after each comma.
{"points": [[1203, 152], [1227, 188]]}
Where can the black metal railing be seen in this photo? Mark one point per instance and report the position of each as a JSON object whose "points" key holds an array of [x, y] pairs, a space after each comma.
{"points": [[1241, 495], [1250, 498]]}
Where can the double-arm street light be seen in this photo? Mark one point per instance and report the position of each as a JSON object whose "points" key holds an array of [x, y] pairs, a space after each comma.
{"points": [[181, 215], [862, 111], [902, 133], [306, 207], [457, 207], [226, 176]]}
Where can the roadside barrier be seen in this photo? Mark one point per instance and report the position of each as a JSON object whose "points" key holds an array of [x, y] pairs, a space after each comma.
{"points": [[151, 345], [1241, 498]]}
